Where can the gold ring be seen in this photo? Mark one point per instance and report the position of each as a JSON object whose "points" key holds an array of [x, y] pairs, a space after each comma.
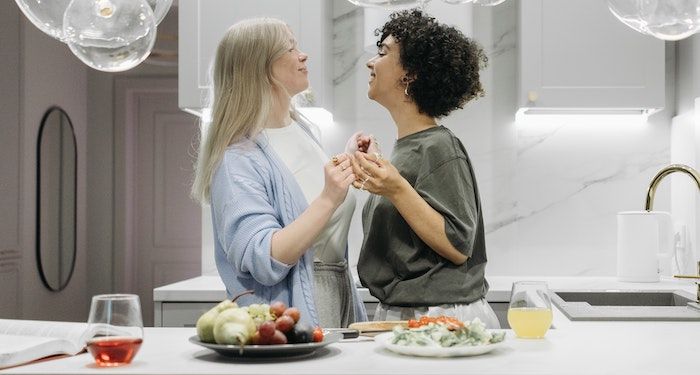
{"points": [[365, 180], [335, 160]]}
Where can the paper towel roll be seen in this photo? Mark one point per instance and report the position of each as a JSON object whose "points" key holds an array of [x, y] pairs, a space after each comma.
{"points": [[642, 236]]}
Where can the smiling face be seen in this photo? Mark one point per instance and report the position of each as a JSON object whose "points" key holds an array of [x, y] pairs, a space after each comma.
{"points": [[386, 73], [290, 69]]}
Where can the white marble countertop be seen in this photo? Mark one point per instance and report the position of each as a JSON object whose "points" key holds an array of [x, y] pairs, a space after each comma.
{"points": [[211, 289], [572, 348]]}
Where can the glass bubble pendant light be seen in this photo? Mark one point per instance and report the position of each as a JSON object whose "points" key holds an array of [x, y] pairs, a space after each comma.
{"points": [[47, 15], [160, 8], [663, 19], [390, 4], [110, 35], [488, 3]]}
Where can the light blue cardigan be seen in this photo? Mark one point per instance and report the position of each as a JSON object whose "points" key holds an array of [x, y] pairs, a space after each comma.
{"points": [[253, 195]]}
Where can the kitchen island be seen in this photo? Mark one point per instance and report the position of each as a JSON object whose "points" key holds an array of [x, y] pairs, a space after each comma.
{"points": [[572, 347]]}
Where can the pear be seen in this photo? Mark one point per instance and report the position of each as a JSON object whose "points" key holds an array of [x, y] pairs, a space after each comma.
{"points": [[234, 327], [205, 323]]}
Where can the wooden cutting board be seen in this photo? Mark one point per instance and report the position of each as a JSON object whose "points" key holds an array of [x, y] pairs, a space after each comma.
{"points": [[375, 328]]}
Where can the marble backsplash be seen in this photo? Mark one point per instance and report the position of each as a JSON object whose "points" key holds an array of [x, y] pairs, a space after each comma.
{"points": [[550, 186]]}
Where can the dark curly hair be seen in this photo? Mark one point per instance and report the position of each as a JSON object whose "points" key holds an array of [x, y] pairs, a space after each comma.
{"points": [[443, 63]]}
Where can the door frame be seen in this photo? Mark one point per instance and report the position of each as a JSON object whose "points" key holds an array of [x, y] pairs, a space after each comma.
{"points": [[127, 92]]}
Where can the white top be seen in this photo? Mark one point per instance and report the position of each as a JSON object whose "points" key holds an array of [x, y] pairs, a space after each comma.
{"points": [[591, 348], [305, 159]]}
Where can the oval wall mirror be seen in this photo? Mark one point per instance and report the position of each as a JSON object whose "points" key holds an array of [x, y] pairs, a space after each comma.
{"points": [[56, 199]]}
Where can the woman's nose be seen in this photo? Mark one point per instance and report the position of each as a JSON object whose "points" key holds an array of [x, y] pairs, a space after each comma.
{"points": [[303, 57], [370, 62]]}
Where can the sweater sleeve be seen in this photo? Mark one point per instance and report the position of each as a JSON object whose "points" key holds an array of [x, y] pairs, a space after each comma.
{"points": [[246, 222], [449, 189]]}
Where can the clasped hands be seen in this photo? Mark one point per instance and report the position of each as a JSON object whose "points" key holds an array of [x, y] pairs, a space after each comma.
{"points": [[373, 173]]}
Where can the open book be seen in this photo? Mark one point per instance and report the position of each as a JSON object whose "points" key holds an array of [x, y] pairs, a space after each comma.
{"points": [[23, 341]]}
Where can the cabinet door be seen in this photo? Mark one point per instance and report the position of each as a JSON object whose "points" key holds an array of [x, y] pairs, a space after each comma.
{"points": [[11, 192], [576, 54], [183, 314], [10, 280], [202, 23]]}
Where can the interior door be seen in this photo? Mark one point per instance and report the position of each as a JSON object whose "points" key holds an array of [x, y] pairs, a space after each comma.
{"points": [[162, 224]]}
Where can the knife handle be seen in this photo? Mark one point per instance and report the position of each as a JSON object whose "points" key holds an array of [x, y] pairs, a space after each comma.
{"points": [[347, 333]]}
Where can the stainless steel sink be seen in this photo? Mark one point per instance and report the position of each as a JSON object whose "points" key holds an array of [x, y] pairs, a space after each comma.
{"points": [[627, 298], [626, 305]]}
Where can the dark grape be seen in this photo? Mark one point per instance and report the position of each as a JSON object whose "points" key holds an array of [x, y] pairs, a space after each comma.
{"points": [[278, 338], [284, 323], [302, 333], [267, 329], [294, 313], [277, 308]]}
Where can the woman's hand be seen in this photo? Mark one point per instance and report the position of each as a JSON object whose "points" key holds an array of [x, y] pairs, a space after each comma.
{"points": [[376, 175], [363, 143], [339, 175]]}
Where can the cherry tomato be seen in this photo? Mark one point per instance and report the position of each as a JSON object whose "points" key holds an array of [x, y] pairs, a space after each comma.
{"points": [[318, 334]]}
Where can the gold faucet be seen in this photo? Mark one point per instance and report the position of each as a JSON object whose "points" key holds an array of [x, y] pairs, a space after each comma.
{"points": [[665, 172], [696, 277], [650, 204]]}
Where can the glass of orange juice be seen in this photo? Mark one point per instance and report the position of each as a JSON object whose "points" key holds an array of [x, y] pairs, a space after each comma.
{"points": [[530, 309]]}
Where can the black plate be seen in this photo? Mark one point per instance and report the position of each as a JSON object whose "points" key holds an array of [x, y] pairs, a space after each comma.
{"points": [[286, 350]]}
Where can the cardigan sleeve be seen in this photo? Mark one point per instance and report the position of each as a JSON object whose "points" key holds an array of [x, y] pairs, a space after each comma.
{"points": [[246, 222]]}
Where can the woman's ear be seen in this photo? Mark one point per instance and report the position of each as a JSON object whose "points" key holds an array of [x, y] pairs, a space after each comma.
{"points": [[406, 79]]}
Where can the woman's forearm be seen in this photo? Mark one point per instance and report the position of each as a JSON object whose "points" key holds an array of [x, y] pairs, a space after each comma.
{"points": [[291, 242], [428, 224]]}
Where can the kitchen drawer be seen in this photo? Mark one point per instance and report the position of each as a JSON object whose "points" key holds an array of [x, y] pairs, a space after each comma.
{"points": [[181, 314]]}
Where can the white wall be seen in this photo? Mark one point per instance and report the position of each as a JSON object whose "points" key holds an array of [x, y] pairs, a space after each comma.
{"points": [[685, 145], [49, 75], [550, 188]]}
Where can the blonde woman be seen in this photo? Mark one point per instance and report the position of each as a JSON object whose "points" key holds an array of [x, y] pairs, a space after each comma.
{"points": [[275, 196]]}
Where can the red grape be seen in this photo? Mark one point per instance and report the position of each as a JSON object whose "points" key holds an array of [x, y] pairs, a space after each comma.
{"points": [[294, 313], [267, 329], [284, 323], [258, 340], [277, 308], [278, 338]]}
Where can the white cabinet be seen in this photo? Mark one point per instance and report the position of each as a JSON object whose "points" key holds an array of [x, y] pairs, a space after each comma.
{"points": [[202, 23], [574, 54]]}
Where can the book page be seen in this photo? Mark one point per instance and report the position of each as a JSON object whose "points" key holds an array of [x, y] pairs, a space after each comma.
{"points": [[18, 349], [69, 331]]}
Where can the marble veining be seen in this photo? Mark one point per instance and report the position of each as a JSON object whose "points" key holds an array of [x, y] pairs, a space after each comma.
{"points": [[550, 189]]}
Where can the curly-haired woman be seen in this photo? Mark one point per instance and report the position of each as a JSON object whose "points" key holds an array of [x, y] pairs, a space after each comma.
{"points": [[423, 251]]}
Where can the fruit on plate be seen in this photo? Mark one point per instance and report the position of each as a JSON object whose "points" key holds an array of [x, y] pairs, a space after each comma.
{"points": [[233, 327], [301, 333], [257, 324], [205, 323]]}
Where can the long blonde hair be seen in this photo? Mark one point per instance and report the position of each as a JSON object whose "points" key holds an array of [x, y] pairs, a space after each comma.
{"points": [[242, 94]]}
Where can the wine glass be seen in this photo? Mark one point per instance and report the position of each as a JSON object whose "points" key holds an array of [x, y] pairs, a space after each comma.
{"points": [[530, 309], [115, 329]]}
